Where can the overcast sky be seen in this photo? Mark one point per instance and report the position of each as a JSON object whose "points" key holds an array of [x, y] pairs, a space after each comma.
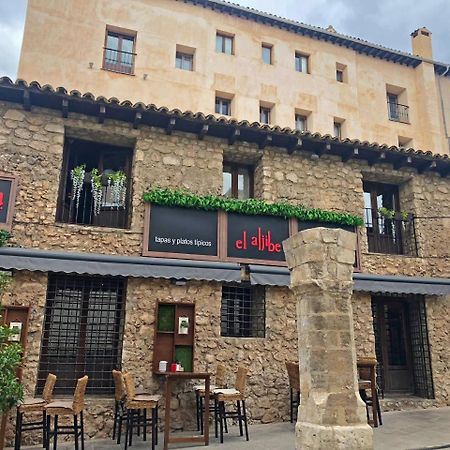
{"points": [[384, 22]]}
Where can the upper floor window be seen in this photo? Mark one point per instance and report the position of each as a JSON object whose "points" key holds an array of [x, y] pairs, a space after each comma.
{"points": [[237, 181], [83, 331], [389, 230], [264, 114], [341, 73], [184, 61], [266, 54], [223, 106], [337, 129], [95, 184], [118, 54], [339, 76], [301, 62], [243, 311], [300, 122], [397, 101], [224, 43]]}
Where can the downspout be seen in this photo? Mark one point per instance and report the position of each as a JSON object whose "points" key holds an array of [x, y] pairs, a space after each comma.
{"points": [[443, 106]]}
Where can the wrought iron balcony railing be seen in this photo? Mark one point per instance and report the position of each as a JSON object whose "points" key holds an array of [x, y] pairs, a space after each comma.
{"points": [[395, 235], [398, 113], [118, 61]]}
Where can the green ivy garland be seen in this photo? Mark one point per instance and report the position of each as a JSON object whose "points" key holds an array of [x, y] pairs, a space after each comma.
{"points": [[186, 199]]}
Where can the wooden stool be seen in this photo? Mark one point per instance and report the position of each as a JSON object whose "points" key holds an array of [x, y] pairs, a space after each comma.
{"points": [[134, 404], [294, 389], [119, 401], [32, 405], [367, 382], [67, 408], [219, 382], [231, 395]]}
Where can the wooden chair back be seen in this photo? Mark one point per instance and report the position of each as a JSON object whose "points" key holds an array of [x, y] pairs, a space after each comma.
{"points": [[47, 393], [241, 379], [221, 374], [119, 385], [294, 375], [130, 387], [78, 397]]}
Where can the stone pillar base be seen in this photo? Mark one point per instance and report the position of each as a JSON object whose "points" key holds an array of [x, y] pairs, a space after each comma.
{"points": [[310, 436]]}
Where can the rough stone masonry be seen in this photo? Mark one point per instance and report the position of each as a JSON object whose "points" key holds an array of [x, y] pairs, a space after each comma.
{"points": [[331, 413]]}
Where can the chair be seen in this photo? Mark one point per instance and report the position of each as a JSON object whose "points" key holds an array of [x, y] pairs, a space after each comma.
{"points": [[119, 399], [34, 405], [219, 380], [67, 408], [231, 395], [367, 382], [294, 389], [134, 405]]}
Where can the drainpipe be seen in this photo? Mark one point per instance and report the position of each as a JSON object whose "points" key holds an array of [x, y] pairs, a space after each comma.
{"points": [[442, 104]]}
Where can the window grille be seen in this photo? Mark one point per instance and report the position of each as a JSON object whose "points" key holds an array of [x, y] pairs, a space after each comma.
{"points": [[83, 332], [243, 311]]}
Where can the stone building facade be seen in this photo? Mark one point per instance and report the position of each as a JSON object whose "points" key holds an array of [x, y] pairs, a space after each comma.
{"points": [[33, 142]]}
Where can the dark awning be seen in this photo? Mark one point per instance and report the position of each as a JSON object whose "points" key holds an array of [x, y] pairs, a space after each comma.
{"points": [[115, 265], [390, 284]]}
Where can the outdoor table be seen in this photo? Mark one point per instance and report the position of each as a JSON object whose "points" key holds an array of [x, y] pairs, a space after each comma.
{"points": [[171, 439]]}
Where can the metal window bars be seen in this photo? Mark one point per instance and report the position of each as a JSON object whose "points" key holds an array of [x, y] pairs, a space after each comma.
{"points": [[243, 311], [83, 332], [398, 112]]}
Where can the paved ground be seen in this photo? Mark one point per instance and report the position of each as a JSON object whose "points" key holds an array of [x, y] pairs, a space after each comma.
{"points": [[406, 430]]}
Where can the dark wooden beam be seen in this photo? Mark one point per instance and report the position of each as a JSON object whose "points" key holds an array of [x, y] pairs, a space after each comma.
{"points": [[26, 100], [377, 159], [101, 114], [65, 108], [296, 145], [267, 140], [203, 131], [137, 120], [402, 162], [429, 165], [171, 125], [350, 154], [234, 135]]}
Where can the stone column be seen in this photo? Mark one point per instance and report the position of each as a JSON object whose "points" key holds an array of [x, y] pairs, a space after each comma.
{"points": [[331, 413]]}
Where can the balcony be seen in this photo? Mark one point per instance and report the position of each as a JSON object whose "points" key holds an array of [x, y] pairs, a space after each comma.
{"points": [[398, 112], [118, 61], [391, 235]]}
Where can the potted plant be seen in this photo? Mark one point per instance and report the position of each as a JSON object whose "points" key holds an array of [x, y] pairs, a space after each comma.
{"points": [[117, 182], [77, 175], [97, 190]]}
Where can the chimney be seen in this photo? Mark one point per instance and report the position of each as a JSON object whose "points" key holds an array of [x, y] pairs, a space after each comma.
{"points": [[421, 43]]}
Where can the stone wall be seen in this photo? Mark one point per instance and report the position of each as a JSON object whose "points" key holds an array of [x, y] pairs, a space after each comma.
{"points": [[31, 147]]}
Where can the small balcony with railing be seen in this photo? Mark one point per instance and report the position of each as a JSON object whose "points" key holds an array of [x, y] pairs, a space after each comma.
{"points": [[398, 112], [118, 60], [390, 232]]}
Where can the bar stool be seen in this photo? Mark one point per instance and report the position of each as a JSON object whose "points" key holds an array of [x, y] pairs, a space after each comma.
{"points": [[219, 381], [34, 405], [67, 408], [134, 404], [231, 395], [294, 389], [367, 383]]}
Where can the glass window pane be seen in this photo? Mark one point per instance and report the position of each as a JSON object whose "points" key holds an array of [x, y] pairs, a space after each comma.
{"points": [[228, 45], [267, 55], [178, 61], [219, 43], [112, 42], [300, 123], [243, 183], [227, 189], [127, 44]]}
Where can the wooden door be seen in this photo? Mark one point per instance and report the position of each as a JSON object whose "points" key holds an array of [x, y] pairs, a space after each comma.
{"points": [[393, 328]]}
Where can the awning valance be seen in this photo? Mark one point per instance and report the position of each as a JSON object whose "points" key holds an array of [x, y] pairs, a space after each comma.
{"points": [[115, 265]]}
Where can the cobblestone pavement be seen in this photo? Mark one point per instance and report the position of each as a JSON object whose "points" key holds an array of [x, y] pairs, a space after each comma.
{"points": [[403, 430]]}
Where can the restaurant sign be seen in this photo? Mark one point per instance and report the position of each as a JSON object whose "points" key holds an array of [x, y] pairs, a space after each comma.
{"points": [[7, 195], [188, 233]]}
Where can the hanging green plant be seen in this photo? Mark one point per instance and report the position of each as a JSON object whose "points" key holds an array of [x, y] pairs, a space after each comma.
{"points": [[97, 190], [117, 182], [77, 175], [386, 213], [186, 199], [4, 237]]}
